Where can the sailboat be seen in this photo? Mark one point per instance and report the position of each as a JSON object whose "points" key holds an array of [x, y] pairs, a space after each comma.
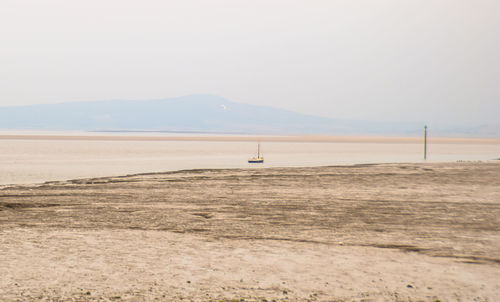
{"points": [[258, 159]]}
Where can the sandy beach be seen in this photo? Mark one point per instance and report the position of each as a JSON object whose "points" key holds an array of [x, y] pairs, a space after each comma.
{"points": [[375, 232]]}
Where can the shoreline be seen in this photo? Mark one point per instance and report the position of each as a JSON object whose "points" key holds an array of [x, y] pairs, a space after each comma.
{"points": [[202, 170], [251, 138]]}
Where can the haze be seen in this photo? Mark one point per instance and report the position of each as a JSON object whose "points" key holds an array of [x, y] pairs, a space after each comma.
{"points": [[434, 62]]}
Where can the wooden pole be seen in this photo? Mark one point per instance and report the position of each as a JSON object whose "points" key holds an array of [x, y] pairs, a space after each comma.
{"points": [[425, 142]]}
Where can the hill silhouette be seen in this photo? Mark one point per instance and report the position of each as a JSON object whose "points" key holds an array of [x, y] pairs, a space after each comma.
{"points": [[195, 113]]}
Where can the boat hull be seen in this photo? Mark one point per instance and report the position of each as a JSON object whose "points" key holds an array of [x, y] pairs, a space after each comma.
{"points": [[256, 160]]}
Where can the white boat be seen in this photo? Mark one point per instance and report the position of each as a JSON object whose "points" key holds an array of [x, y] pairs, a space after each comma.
{"points": [[257, 160]]}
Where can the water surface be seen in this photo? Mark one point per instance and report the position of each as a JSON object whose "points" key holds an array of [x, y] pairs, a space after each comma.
{"points": [[38, 160]]}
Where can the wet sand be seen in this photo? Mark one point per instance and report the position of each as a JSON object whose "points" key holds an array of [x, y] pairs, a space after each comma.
{"points": [[397, 232]]}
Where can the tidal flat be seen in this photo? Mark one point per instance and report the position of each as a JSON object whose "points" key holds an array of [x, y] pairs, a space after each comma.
{"points": [[371, 232]]}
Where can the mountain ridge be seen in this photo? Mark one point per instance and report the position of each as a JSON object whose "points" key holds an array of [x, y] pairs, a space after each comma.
{"points": [[199, 113]]}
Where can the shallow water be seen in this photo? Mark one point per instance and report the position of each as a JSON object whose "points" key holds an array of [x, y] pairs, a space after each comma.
{"points": [[38, 160]]}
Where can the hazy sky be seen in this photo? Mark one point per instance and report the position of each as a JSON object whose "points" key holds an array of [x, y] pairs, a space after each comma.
{"points": [[432, 61]]}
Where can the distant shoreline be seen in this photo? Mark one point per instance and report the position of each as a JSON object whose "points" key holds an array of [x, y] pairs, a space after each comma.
{"points": [[250, 138]]}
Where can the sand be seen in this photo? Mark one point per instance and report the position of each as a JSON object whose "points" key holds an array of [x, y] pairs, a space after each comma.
{"points": [[159, 136], [386, 232]]}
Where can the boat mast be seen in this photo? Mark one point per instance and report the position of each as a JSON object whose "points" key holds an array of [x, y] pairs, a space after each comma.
{"points": [[258, 150]]}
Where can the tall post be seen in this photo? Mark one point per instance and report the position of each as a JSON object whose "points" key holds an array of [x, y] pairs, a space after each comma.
{"points": [[425, 142]]}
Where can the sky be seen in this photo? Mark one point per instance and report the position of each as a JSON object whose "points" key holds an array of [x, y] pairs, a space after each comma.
{"points": [[431, 61]]}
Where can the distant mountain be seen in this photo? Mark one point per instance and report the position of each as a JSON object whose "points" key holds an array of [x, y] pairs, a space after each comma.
{"points": [[192, 113]]}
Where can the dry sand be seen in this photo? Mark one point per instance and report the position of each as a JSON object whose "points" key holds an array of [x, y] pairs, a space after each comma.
{"points": [[388, 232]]}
